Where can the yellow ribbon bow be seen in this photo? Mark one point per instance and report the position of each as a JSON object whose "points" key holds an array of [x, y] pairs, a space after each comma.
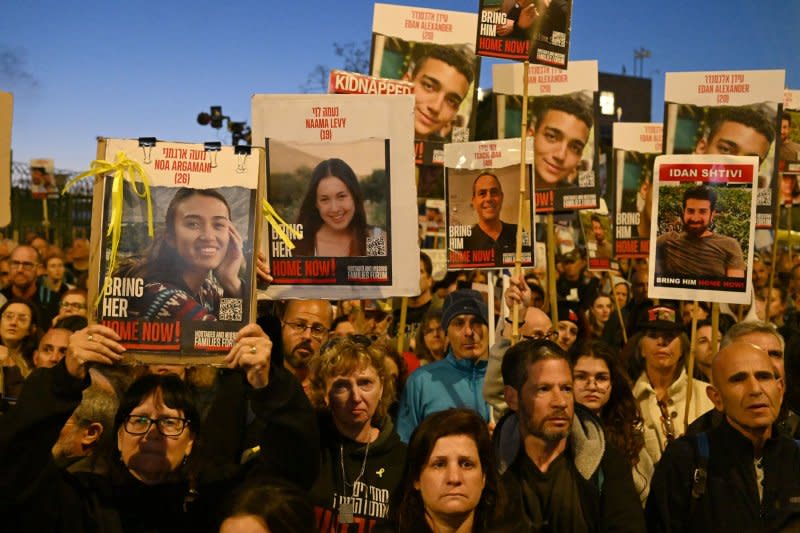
{"points": [[279, 225], [121, 169]]}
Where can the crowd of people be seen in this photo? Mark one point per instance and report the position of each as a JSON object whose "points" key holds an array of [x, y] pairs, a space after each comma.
{"points": [[320, 420]]}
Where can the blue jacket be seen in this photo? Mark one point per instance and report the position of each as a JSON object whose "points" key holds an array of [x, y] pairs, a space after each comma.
{"points": [[437, 386]]}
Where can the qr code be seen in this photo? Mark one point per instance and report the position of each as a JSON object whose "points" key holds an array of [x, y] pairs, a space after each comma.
{"points": [[460, 134], [586, 179], [558, 38], [376, 244], [230, 309]]}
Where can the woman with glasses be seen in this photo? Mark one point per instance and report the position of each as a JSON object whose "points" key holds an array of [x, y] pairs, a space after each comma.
{"points": [[147, 484], [431, 340], [362, 456], [19, 337], [602, 386], [661, 388]]}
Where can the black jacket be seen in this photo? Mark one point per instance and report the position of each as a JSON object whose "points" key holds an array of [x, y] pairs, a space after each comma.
{"points": [[37, 495], [730, 499]]}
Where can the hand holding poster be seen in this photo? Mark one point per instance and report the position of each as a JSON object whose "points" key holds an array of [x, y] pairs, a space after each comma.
{"points": [[340, 172], [703, 228], [482, 182], [562, 113], [525, 30], [182, 296], [636, 145]]}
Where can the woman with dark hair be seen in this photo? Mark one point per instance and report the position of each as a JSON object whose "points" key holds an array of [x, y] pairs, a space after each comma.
{"points": [[431, 340], [275, 507], [194, 263], [450, 482], [332, 215], [362, 455], [147, 484], [19, 338], [598, 314], [602, 386]]}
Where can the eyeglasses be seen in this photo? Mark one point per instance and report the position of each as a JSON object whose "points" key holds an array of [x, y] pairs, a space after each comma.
{"points": [[666, 421], [168, 426], [318, 331], [542, 335], [601, 381], [20, 317], [24, 265], [77, 306]]}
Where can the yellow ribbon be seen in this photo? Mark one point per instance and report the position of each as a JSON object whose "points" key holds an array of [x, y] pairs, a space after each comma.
{"points": [[279, 225], [121, 169]]}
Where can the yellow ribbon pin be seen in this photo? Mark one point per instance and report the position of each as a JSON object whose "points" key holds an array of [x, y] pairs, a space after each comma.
{"points": [[380, 472]]}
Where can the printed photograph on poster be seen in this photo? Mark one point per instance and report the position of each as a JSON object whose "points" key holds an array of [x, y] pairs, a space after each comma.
{"points": [[597, 235], [790, 127], [182, 295], [636, 145], [337, 197], [703, 227], [432, 224], [731, 113], [435, 51], [562, 114], [525, 30], [483, 205], [43, 180], [340, 176]]}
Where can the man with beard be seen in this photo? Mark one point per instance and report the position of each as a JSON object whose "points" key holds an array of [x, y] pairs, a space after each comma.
{"points": [[490, 232], [559, 472], [305, 326], [603, 250], [696, 251]]}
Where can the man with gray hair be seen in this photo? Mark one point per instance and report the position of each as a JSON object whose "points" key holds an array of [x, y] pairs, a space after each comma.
{"points": [[88, 429], [765, 336]]}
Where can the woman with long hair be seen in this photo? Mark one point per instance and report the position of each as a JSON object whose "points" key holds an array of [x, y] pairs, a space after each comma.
{"points": [[332, 214], [192, 264], [431, 339], [361, 453], [603, 386], [450, 482], [19, 337], [598, 314]]}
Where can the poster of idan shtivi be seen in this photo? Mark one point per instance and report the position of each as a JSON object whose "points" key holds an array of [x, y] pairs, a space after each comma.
{"points": [[182, 295], [434, 50], [43, 179], [728, 112], [790, 128], [703, 226], [597, 235], [482, 191], [636, 145], [562, 113], [340, 173], [6, 113], [525, 30]]}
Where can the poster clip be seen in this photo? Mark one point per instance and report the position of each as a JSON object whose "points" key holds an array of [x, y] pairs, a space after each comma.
{"points": [[241, 151], [213, 147], [147, 144]]}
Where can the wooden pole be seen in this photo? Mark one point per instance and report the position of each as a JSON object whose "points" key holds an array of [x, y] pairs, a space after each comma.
{"points": [[617, 307], [777, 224], [690, 367], [551, 269], [401, 327], [490, 282], [714, 328], [521, 207]]}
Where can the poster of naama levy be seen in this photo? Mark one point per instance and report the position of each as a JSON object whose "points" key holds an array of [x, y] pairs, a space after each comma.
{"points": [[182, 295]]}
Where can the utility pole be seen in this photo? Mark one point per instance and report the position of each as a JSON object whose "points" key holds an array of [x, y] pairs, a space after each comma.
{"points": [[640, 55]]}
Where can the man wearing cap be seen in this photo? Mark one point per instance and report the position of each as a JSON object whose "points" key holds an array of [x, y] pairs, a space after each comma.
{"points": [[456, 380], [573, 284]]}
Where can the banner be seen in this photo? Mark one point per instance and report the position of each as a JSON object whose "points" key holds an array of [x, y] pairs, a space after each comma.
{"points": [[636, 145], [435, 51], [729, 113], [562, 113], [525, 30], [482, 188], [182, 295], [6, 115], [339, 173], [704, 209]]}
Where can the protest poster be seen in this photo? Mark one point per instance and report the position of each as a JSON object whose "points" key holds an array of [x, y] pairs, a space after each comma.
{"points": [[790, 127], [597, 235], [344, 82], [181, 295], [43, 179], [340, 174], [728, 112], [434, 50], [525, 30], [636, 145], [482, 183], [562, 113], [704, 211], [6, 114]]}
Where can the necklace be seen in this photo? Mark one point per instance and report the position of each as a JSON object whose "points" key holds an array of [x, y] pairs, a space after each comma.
{"points": [[345, 503]]}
